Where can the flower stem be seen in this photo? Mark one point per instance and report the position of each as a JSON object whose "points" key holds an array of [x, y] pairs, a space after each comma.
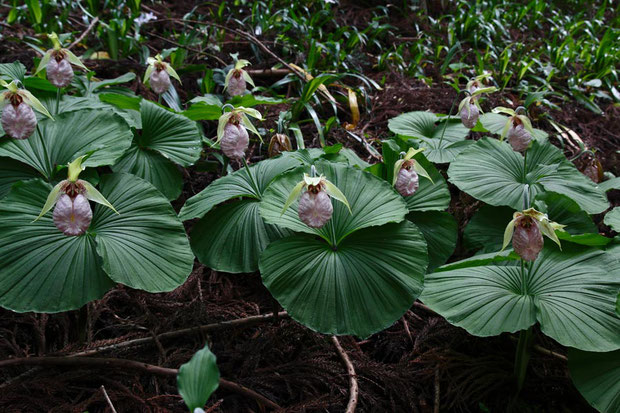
{"points": [[252, 181], [448, 117], [522, 356], [45, 155], [57, 100]]}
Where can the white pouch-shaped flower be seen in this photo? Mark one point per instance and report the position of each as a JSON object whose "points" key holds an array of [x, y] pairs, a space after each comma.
{"points": [[407, 181], [59, 71], [19, 122], [159, 81], [315, 208], [526, 231], [18, 119], [235, 140], [518, 137], [72, 215]]}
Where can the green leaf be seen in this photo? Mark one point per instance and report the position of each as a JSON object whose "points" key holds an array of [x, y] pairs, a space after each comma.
{"points": [[565, 211], [231, 237], [373, 202], [440, 231], [43, 270], [12, 171], [166, 139], [144, 246], [492, 172], [174, 136], [198, 379], [71, 135], [359, 288], [428, 128], [608, 185], [572, 294], [612, 219], [237, 184], [597, 377], [153, 167], [13, 71], [485, 230]]}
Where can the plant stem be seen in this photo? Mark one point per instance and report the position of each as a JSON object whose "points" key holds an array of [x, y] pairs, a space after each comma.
{"points": [[252, 181], [525, 166], [57, 100], [45, 155], [448, 117], [522, 358]]}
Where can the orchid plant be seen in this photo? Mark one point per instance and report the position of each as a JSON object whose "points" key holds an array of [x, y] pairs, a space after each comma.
{"points": [[517, 129], [237, 78], [157, 74], [315, 206], [406, 171], [73, 214], [232, 134], [58, 61], [18, 118]]}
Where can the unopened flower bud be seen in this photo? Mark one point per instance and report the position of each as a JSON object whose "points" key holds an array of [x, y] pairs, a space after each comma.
{"points": [[235, 140], [407, 181], [594, 171], [72, 215], [518, 137], [159, 80], [18, 121], [527, 239], [315, 207], [236, 84], [469, 114], [279, 143], [59, 71]]}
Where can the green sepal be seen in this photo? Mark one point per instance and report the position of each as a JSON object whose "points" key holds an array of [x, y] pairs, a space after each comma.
{"points": [[55, 40], [246, 122], [44, 61], [527, 124], [73, 59], [35, 103], [421, 171], [335, 193], [480, 91], [247, 78], [507, 111], [293, 196], [172, 72], [241, 63], [509, 231], [147, 74], [221, 124], [51, 200], [94, 195], [75, 168]]}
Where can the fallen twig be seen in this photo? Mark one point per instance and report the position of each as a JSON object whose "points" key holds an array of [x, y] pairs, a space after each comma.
{"points": [[108, 363], [83, 35], [240, 322], [353, 389], [105, 394]]}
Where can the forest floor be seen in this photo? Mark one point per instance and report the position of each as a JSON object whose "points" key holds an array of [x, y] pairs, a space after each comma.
{"points": [[420, 364]]}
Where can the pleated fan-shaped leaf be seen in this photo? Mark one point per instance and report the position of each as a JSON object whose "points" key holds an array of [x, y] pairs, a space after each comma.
{"points": [[363, 269], [572, 294], [230, 236]]}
